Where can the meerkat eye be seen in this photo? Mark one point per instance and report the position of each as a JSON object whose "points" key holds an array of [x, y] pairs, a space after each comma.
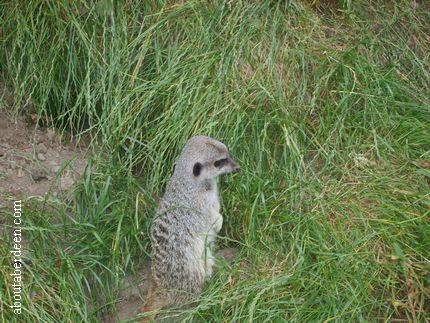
{"points": [[197, 169], [221, 162]]}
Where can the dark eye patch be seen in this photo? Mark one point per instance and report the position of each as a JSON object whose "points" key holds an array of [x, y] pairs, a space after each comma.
{"points": [[197, 169], [221, 162]]}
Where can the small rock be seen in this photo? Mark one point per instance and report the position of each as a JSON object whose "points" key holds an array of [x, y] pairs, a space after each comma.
{"points": [[415, 5], [329, 32], [19, 159], [423, 163], [66, 182], [38, 174], [51, 134], [52, 162], [39, 138], [55, 168], [377, 27], [41, 156], [20, 173], [227, 253], [41, 148], [51, 153], [15, 191], [2, 152]]}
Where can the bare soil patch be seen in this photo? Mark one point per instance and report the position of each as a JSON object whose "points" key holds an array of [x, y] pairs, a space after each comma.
{"points": [[36, 162]]}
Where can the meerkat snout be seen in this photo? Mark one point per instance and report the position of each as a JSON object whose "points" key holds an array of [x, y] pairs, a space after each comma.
{"points": [[234, 165]]}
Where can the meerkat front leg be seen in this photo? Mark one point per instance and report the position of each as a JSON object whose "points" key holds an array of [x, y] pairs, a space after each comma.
{"points": [[209, 260], [218, 223]]}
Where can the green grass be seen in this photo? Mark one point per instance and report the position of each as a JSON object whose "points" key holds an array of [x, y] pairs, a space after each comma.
{"points": [[325, 104]]}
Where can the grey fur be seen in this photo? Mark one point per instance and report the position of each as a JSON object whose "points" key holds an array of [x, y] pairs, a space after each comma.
{"points": [[187, 223]]}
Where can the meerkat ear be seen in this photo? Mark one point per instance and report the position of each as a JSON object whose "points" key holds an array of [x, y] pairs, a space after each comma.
{"points": [[197, 169]]}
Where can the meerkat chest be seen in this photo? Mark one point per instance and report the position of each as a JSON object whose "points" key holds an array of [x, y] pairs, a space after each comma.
{"points": [[212, 201], [213, 209]]}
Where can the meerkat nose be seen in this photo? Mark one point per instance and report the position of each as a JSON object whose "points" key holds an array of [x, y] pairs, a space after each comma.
{"points": [[235, 167]]}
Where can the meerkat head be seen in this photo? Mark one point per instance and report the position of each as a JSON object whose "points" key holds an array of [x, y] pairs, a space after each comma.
{"points": [[205, 158]]}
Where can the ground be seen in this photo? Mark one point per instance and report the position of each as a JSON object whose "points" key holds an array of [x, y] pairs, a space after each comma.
{"points": [[35, 162], [324, 104]]}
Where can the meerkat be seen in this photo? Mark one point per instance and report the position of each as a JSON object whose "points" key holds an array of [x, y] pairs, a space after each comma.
{"points": [[187, 223]]}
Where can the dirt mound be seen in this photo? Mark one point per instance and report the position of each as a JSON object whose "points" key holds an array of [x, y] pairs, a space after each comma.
{"points": [[35, 162]]}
